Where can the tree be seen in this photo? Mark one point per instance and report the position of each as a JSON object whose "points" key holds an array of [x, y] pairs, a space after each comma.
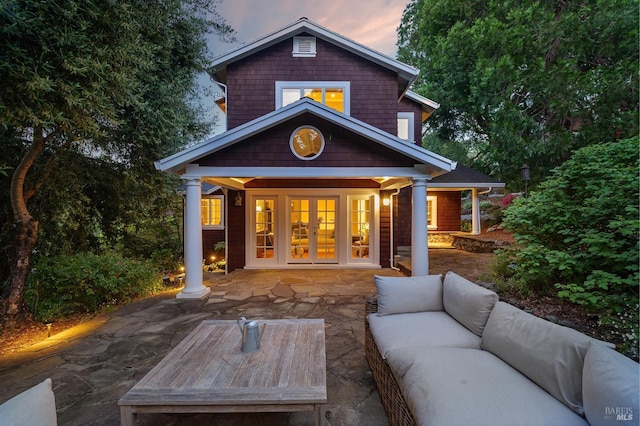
{"points": [[578, 232], [86, 83], [524, 82]]}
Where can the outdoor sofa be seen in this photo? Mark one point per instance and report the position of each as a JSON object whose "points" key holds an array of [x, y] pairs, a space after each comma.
{"points": [[449, 353]]}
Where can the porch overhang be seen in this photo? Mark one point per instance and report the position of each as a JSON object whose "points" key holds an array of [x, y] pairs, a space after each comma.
{"points": [[237, 177]]}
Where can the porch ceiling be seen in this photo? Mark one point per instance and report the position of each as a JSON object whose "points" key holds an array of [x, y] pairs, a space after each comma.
{"points": [[241, 183]]}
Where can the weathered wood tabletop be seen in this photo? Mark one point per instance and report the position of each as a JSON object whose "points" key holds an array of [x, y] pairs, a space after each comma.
{"points": [[207, 372]]}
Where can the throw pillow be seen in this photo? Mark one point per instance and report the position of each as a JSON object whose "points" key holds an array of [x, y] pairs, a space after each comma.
{"points": [[35, 406], [400, 295], [467, 302]]}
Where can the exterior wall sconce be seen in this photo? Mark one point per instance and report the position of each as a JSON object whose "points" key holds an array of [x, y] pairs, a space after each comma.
{"points": [[525, 176], [386, 202], [238, 200]]}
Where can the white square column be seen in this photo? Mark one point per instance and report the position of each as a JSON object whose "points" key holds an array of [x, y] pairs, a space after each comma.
{"points": [[419, 237], [193, 287]]}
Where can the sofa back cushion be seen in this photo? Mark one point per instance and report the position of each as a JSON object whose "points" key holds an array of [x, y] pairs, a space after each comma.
{"points": [[549, 354], [467, 302], [610, 387], [399, 295]]}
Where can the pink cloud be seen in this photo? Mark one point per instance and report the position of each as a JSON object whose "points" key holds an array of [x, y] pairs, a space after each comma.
{"points": [[370, 22]]}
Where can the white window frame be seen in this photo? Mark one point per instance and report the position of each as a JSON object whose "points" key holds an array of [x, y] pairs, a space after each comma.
{"points": [[434, 210], [304, 41], [410, 117], [221, 198], [344, 85]]}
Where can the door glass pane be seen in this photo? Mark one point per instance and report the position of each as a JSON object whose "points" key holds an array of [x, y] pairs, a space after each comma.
{"points": [[326, 229], [360, 220], [299, 229], [265, 221]]}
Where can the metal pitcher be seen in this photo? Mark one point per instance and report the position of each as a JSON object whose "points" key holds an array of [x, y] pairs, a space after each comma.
{"points": [[251, 334]]}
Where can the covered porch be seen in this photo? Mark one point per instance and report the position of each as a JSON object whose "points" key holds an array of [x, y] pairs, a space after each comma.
{"points": [[306, 186]]}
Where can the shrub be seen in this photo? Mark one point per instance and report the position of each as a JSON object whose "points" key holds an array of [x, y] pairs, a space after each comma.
{"points": [[86, 283], [579, 230], [508, 200], [166, 260]]}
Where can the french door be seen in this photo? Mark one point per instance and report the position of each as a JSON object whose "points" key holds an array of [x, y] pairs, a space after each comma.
{"points": [[312, 223]]}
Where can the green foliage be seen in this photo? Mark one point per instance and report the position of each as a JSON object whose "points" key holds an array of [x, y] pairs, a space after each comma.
{"points": [[523, 82], [503, 273], [579, 231], [86, 283], [220, 246], [98, 90], [166, 260]]}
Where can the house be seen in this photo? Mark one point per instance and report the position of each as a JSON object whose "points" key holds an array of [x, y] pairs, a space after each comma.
{"points": [[321, 163]]}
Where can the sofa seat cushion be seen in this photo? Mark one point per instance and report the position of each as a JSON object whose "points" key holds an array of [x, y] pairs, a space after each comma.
{"points": [[453, 386], [422, 329], [467, 302], [549, 354]]}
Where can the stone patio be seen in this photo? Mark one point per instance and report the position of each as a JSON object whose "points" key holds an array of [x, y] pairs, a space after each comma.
{"points": [[95, 363]]}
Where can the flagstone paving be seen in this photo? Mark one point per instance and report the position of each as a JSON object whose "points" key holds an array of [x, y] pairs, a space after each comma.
{"points": [[94, 364]]}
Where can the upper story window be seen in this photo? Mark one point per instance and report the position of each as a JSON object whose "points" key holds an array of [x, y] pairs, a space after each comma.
{"points": [[304, 47], [334, 94], [211, 212], [405, 126]]}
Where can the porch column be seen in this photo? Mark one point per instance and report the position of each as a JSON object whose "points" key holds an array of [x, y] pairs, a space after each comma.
{"points": [[475, 212], [419, 246], [193, 288]]}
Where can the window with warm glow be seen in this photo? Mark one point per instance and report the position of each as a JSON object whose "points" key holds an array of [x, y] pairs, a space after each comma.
{"points": [[334, 94], [211, 212], [360, 227], [432, 212]]}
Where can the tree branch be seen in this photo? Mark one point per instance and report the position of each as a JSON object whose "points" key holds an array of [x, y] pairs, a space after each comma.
{"points": [[48, 168], [18, 200]]}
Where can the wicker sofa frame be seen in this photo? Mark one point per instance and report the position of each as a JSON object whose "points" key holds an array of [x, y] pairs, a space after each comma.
{"points": [[392, 400]]}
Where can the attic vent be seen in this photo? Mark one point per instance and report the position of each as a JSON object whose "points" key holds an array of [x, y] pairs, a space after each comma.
{"points": [[304, 47]]}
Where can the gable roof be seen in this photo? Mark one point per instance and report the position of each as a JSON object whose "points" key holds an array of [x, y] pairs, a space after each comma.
{"points": [[436, 164], [406, 73], [428, 106], [464, 177]]}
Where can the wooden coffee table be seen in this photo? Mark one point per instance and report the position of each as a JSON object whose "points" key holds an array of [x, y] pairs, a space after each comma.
{"points": [[207, 373]]}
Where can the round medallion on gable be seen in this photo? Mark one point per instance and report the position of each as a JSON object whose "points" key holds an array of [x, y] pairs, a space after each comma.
{"points": [[306, 142]]}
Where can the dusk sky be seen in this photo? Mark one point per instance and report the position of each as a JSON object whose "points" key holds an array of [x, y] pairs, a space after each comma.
{"points": [[369, 22], [372, 23]]}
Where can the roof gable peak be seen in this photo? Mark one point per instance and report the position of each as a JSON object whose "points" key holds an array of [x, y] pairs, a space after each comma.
{"points": [[178, 161], [406, 73]]}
